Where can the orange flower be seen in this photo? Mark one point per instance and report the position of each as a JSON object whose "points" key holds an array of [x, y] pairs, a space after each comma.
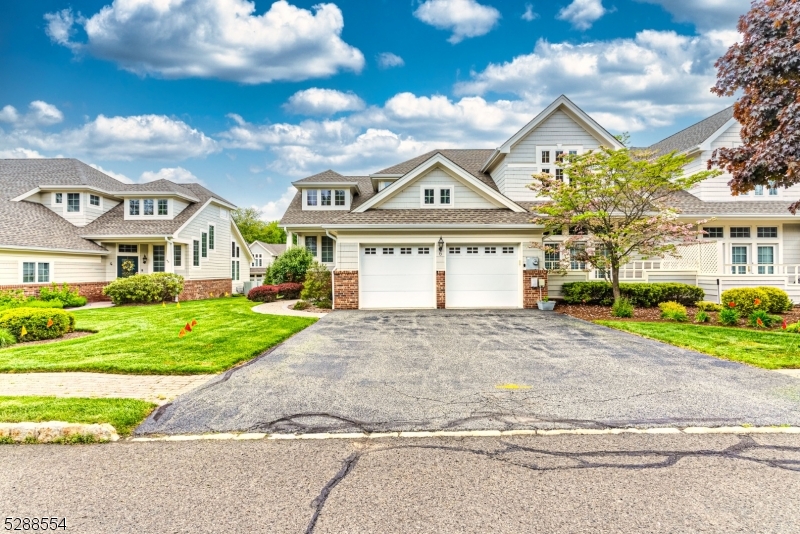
{"points": [[732, 304], [757, 302], [183, 333], [188, 327], [759, 322], [784, 324], [49, 322]]}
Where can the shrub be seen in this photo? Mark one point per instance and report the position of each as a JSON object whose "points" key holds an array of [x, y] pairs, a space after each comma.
{"points": [[36, 321], [673, 311], [793, 328], [143, 288], [707, 306], [746, 299], [34, 304], [761, 319], [324, 303], [12, 297], [644, 295], [318, 286], [777, 300], [729, 316], [622, 308], [291, 266], [301, 305], [701, 317], [289, 290], [69, 297], [6, 338], [263, 294]]}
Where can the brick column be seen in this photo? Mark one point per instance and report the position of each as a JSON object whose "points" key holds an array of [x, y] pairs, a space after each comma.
{"points": [[345, 292], [440, 294], [531, 294]]}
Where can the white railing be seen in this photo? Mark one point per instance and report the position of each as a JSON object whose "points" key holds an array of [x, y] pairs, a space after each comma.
{"points": [[792, 272]]}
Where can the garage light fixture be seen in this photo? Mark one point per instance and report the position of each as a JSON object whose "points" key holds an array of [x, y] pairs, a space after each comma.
{"points": [[441, 245]]}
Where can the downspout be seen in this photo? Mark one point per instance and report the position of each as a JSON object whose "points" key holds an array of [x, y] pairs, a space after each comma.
{"points": [[333, 278]]}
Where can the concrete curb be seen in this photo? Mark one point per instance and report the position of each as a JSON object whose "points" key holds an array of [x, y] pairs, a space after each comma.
{"points": [[479, 433], [56, 432]]}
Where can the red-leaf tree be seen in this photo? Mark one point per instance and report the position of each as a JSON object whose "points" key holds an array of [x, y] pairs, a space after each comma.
{"points": [[765, 66]]}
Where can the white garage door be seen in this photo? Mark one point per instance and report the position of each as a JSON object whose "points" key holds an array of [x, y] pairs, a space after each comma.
{"points": [[482, 276], [397, 277]]}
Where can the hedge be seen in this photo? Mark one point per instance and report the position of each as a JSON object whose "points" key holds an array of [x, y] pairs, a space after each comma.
{"points": [[39, 323], [144, 288], [63, 293], [746, 300], [263, 294], [289, 290], [645, 295]]}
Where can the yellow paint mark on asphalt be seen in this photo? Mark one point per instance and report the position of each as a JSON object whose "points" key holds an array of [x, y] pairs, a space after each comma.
{"points": [[512, 386]]}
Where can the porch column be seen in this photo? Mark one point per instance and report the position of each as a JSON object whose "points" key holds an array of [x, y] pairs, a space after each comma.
{"points": [[169, 257], [288, 239]]}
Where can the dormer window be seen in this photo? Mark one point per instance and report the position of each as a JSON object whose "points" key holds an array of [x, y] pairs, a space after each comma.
{"points": [[430, 196], [148, 206], [326, 197], [339, 197], [444, 196], [59, 198], [73, 202], [311, 197], [133, 207], [163, 207], [94, 200]]}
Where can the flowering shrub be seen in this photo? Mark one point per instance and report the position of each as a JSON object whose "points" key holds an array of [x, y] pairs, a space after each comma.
{"points": [[263, 294], [748, 299], [761, 319]]}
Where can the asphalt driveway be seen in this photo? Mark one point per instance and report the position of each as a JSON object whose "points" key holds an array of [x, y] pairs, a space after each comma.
{"points": [[446, 369]]}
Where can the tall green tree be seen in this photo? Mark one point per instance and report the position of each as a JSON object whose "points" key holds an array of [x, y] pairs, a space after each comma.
{"points": [[765, 68], [619, 205], [253, 228]]}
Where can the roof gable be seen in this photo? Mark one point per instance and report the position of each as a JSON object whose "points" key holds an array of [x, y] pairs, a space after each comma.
{"points": [[438, 159]]}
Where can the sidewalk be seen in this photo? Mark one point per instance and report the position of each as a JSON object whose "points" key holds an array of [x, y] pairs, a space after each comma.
{"points": [[154, 388], [283, 307]]}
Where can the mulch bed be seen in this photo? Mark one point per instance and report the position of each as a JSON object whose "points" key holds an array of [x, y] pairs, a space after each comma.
{"points": [[603, 313]]}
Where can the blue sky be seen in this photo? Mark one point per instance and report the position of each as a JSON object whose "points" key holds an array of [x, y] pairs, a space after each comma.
{"points": [[249, 96]]}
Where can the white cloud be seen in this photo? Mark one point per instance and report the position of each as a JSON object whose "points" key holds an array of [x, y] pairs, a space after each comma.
{"points": [[19, 153], [317, 101], [213, 39], [116, 175], [387, 60], [705, 14], [274, 210], [120, 138], [529, 14], [40, 114], [626, 84], [582, 13], [465, 18], [179, 175]]}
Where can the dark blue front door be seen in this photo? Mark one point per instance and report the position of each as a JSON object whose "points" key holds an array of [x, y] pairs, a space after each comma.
{"points": [[124, 273]]}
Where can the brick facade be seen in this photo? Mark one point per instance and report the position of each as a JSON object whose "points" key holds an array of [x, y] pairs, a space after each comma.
{"points": [[93, 291], [345, 290], [531, 294], [440, 294]]}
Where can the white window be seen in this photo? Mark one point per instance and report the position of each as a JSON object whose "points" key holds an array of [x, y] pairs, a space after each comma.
{"points": [[560, 175], [133, 207], [325, 195], [311, 197], [767, 231], [508, 250], [311, 244], [739, 259], [759, 190], [430, 196], [766, 259], [444, 196], [472, 250], [211, 231], [94, 200], [423, 250], [436, 197], [73, 202], [545, 156], [370, 250], [148, 206], [454, 250], [163, 207], [490, 250], [257, 260], [740, 231], [772, 189], [33, 272], [340, 197], [389, 250], [405, 250], [59, 198]]}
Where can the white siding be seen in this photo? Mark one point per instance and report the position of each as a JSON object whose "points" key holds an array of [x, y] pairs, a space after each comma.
{"points": [[348, 256], [521, 162], [464, 196], [218, 262], [791, 244], [71, 268], [87, 212]]}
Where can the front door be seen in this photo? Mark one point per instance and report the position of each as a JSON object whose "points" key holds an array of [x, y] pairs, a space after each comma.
{"points": [[127, 266]]}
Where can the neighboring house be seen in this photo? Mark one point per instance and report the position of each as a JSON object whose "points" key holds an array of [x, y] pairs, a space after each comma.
{"points": [[64, 221], [263, 256], [452, 228]]}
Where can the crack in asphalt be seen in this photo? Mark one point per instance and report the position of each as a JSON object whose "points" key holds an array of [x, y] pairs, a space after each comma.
{"points": [[581, 460]]}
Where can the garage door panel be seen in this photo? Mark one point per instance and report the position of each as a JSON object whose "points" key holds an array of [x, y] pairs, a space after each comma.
{"points": [[394, 299], [486, 299], [403, 279], [482, 276], [502, 282], [395, 283]]}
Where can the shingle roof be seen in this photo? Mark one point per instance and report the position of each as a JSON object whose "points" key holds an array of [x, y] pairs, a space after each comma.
{"points": [[296, 215], [471, 160], [690, 204], [693, 135], [435, 216], [274, 249], [29, 224], [324, 176]]}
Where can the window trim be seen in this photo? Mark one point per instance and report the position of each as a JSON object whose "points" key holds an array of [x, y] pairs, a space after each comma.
{"points": [[308, 200], [195, 253], [177, 255], [204, 245], [152, 207], [212, 234], [79, 210], [437, 195], [322, 198], [748, 236], [707, 234], [336, 197], [306, 241], [99, 200], [131, 203], [58, 199], [36, 272], [322, 249], [158, 207]]}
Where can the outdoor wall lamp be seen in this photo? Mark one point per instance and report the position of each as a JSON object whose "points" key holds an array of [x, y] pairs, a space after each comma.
{"points": [[441, 245], [144, 259]]}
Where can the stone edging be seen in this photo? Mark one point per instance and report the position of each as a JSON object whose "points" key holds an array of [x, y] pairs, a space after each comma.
{"points": [[480, 433], [56, 432]]}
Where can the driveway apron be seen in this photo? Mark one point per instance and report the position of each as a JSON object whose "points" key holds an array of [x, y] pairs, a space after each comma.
{"points": [[462, 370]]}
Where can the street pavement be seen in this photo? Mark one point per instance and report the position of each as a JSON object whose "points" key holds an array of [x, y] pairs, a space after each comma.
{"points": [[548, 484], [460, 370]]}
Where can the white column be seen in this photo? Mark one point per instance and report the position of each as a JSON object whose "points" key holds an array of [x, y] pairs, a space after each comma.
{"points": [[169, 257], [288, 239]]}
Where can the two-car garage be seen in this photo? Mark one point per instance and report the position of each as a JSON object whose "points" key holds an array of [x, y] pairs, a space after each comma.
{"points": [[404, 276]]}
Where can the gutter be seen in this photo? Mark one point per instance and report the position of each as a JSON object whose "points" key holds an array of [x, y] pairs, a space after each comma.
{"points": [[404, 227]]}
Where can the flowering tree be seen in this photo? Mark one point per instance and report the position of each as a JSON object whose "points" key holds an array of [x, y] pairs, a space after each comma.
{"points": [[765, 67], [617, 205]]}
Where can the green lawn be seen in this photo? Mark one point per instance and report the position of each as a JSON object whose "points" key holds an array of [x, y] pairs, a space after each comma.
{"points": [[144, 339], [122, 414], [766, 349]]}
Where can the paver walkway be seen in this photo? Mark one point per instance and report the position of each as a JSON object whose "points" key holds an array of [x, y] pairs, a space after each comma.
{"points": [[284, 307], [154, 388]]}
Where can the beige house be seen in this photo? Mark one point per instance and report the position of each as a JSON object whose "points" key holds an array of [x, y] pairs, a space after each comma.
{"points": [[64, 221], [263, 256], [452, 228]]}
